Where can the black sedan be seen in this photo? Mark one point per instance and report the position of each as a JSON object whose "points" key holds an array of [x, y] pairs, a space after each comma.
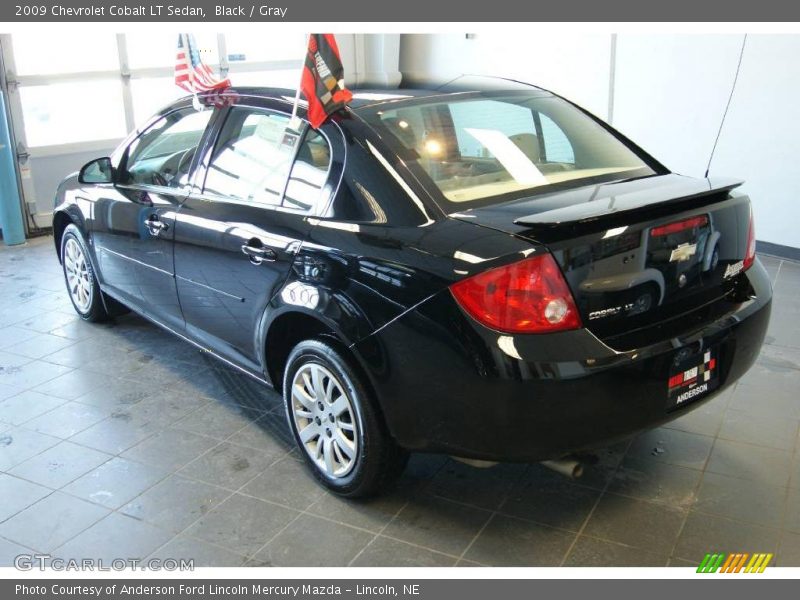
{"points": [[478, 268]]}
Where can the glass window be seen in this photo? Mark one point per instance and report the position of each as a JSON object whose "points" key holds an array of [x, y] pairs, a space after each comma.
{"points": [[64, 113], [557, 148], [252, 158], [492, 149], [510, 119], [254, 46], [155, 49], [163, 154], [151, 95], [309, 174], [281, 78], [36, 53]]}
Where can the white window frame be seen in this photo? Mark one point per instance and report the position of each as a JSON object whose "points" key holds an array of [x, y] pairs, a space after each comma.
{"points": [[124, 74]]}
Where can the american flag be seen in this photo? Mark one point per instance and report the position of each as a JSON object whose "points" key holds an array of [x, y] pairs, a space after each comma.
{"points": [[191, 73]]}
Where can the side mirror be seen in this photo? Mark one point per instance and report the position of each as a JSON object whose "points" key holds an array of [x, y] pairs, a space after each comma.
{"points": [[97, 171]]}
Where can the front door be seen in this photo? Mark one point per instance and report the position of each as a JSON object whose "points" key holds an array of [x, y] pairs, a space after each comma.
{"points": [[236, 239], [134, 220]]}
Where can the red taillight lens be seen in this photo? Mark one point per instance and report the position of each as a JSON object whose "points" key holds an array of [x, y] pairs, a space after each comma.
{"points": [[750, 257], [529, 296]]}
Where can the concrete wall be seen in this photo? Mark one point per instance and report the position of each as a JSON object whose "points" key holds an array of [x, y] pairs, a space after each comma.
{"points": [[667, 92]]}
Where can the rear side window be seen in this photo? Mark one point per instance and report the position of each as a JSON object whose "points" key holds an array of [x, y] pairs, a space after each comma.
{"points": [[252, 158], [163, 154], [309, 173], [257, 157]]}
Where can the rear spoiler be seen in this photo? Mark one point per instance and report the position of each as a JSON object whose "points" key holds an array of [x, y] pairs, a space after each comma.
{"points": [[687, 193]]}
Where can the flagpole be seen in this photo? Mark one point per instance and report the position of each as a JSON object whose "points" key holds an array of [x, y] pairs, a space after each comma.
{"points": [[294, 122]]}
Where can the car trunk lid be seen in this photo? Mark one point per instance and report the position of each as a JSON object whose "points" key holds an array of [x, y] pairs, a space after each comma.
{"points": [[636, 252]]}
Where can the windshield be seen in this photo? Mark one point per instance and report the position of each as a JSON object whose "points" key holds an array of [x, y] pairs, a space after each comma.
{"points": [[478, 149]]}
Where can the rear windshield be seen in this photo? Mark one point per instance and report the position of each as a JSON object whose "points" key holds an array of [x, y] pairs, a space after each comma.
{"points": [[478, 150]]}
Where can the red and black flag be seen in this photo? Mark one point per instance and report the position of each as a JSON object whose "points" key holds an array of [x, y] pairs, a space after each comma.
{"points": [[323, 82]]}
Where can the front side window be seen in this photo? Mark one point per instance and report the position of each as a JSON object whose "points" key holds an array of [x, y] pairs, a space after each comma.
{"points": [[253, 162], [480, 149], [163, 154]]}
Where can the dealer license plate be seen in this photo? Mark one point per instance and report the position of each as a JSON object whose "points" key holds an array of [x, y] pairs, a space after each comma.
{"points": [[693, 378]]}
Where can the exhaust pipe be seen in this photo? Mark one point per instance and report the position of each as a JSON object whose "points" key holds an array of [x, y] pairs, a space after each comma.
{"points": [[569, 467]]}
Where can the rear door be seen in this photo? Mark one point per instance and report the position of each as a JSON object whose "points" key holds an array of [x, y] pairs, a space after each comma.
{"points": [[134, 220], [237, 235]]}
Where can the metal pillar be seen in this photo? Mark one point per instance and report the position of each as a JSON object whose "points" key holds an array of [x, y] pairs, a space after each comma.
{"points": [[10, 203]]}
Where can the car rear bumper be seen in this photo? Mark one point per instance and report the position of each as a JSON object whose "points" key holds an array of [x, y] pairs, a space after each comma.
{"points": [[448, 385]]}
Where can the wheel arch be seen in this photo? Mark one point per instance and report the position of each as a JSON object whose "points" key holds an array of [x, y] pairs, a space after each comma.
{"points": [[288, 329], [62, 218], [60, 221]]}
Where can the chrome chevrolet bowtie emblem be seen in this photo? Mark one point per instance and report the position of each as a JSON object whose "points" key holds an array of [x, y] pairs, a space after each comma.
{"points": [[683, 252]]}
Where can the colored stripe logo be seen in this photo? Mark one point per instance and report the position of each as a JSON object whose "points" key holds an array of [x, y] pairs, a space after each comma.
{"points": [[737, 562]]}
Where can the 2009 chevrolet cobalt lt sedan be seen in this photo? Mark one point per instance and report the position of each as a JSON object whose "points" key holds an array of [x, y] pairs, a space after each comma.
{"points": [[479, 268]]}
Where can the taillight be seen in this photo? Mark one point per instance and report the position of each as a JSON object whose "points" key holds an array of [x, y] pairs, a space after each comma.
{"points": [[529, 296], [750, 257]]}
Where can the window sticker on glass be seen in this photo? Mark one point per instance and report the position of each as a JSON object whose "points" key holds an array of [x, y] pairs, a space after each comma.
{"points": [[289, 141]]}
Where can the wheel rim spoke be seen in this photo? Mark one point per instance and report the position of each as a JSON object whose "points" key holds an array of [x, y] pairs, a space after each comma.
{"points": [[329, 386], [337, 451], [301, 395], [309, 433], [318, 449], [340, 406], [307, 386], [318, 385], [327, 451], [344, 444]]}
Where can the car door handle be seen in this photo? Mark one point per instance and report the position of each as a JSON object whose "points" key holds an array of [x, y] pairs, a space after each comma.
{"points": [[155, 225], [258, 254]]}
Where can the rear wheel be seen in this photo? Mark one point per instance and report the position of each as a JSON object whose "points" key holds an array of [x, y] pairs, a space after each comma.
{"points": [[335, 424], [82, 287]]}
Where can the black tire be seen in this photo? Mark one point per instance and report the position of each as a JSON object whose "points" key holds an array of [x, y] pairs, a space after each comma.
{"points": [[379, 460], [95, 311]]}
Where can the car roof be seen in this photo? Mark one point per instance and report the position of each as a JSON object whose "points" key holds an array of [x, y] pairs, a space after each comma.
{"points": [[409, 88]]}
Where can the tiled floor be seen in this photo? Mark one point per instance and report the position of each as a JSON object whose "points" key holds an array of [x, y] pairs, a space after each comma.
{"points": [[121, 441]]}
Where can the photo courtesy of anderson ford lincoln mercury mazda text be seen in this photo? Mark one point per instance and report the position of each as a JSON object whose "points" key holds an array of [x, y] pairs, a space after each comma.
{"points": [[478, 268]]}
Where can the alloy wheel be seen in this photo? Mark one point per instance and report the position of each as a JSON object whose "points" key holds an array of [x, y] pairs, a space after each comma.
{"points": [[325, 420], [79, 280]]}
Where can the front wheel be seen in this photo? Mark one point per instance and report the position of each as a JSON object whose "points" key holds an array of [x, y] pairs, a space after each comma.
{"points": [[82, 286], [334, 422]]}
